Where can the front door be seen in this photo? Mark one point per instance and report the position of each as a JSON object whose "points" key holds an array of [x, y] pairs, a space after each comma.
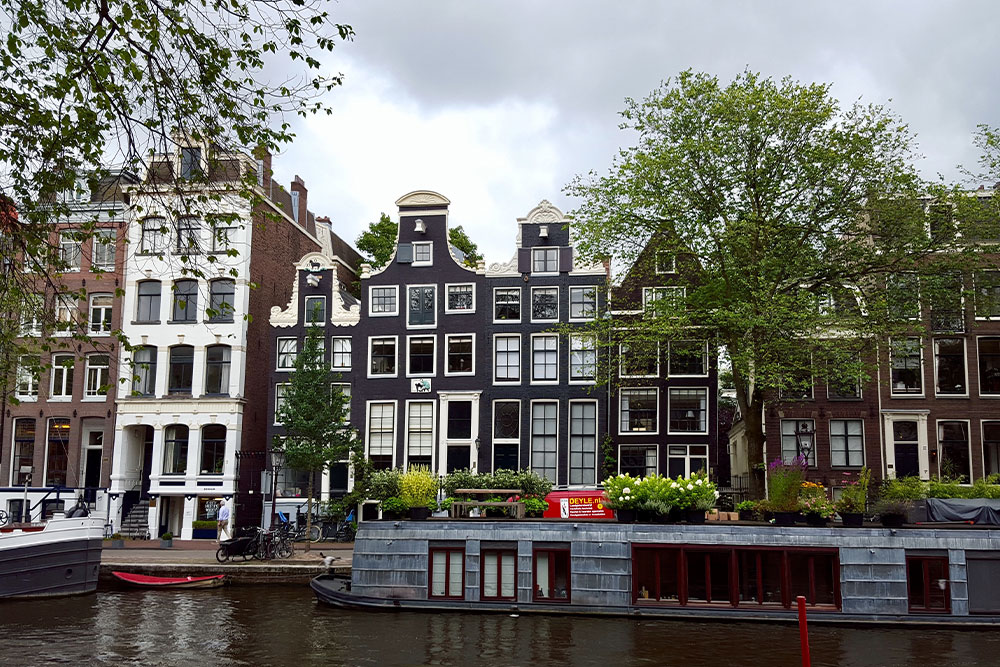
{"points": [[907, 460], [147, 459], [92, 474], [459, 458]]}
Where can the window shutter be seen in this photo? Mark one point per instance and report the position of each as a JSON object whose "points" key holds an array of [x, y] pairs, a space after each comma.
{"points": [[524, 260], [404, 253], [565, 259]]}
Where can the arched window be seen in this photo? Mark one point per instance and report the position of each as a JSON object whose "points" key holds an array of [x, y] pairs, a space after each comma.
{"points": [[144, 371], [179, 379], [185, 301], [217, 359], [213, 449], [175, 447], [148, 305], [222, 300]]}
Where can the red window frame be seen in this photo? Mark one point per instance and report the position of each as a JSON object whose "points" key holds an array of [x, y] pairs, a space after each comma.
{"points": [[553, 552], [447, 551], [482, 573], [926, 582]]}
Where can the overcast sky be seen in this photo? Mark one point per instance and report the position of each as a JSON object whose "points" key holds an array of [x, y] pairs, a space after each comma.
{"points": [[496, 105]]}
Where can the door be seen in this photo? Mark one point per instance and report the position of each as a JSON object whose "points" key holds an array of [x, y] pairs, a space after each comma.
{"points": [[147, 460], [92, 474], [421, 305], [458, 457], [907, 460]]}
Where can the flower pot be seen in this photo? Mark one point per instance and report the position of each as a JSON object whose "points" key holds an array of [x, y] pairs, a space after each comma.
{"points": [[892, 520], [852, 519], [166, 544], [391, 516], [419, 513], [695, 516], [117, 544], [785, 518], [625, 516], [814, 519], [644, 516], [746, 515], [664, 518]]}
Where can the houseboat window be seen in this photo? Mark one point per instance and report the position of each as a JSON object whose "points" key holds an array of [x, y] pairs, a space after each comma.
{"points": [[708, 574], [447, 576], [813, 576], [499, 574], [984, 582], [552, 575], [927, 583], [759, 577]]}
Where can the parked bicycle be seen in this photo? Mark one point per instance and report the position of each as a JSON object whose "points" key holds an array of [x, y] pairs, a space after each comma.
{"points": [[331, 529]]}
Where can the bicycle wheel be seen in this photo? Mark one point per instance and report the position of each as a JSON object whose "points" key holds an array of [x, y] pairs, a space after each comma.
{"points": [[222, 555], [285, 549], [315, 533]]}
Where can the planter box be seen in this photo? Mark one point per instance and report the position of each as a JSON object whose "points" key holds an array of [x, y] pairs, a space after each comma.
{"points": [[117, 544], [204, 533], [166, 544]]}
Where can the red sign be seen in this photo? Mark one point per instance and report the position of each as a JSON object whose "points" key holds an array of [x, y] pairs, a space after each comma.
{"points": [[577, 505]]}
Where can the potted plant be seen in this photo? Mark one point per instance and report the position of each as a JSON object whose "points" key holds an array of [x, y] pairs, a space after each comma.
{"points": [[393, 508], [417, 489], [619, 491], [117, 541], [854, 498], [893, 511], [784, 481], [747, 510], [167, 540], [204, 530], [535, 507], [699, 496], [817, 509]]}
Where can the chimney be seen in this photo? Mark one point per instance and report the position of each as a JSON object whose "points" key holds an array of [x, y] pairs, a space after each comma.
{"points": [[263, 167]]}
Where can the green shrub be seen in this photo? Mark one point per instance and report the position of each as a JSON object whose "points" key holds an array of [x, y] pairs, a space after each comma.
{"points": [[903, 488], [854, 495], [620, 491], [784, 481], [532, 485], [535, 506], [460, 479], [384, 484], [394, 505], [746, 506], [204, 525], [167, 536], [418, 486]]}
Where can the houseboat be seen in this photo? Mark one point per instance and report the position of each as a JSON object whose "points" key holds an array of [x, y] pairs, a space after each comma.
{"points": [[61, 557], [725, 570]]}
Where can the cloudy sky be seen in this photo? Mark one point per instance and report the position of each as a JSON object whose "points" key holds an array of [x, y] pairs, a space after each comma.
{"points": [[497, 105]]}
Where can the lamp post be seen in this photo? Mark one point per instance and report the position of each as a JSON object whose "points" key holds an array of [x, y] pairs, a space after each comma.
{"points": [[276, 457], [805, 439]]}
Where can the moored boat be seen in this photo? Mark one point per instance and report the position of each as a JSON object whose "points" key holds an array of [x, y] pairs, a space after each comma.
{"points": [[61, 557], [148, 581]]}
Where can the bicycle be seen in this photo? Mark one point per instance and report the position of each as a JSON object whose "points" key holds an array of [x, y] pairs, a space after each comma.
{"points": [[339, 531]]}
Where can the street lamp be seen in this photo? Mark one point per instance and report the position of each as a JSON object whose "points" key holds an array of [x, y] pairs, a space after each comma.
{"points": [[276, 457], [805, 439]]}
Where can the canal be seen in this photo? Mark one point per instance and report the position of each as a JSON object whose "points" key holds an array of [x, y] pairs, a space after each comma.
{"points": [[259, 625]]}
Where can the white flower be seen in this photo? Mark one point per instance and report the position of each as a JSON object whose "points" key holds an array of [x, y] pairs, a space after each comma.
{"points": [[621, 498], [690, 487], [626, 490], [673, 485], [716, 494], [700, 481]]}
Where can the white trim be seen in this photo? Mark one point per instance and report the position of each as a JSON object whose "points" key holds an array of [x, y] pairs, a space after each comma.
{"points": [[86, 377], [350, 354], [923, 457], [923, 380], [618, 412], [305, 310], [968, 442], [433, 339], [544, 249], [506, 441], [707, 411], [395, 340], [276, 385], [569, 359], [447, 342], [707, 359], [531, 359], [621, 358], [432, 325], [592, 288], [430, 246], [531, 305], [277, 353], [864, 443], [520, 305], [531, 450], [90, 313], [460, 311], [965, 366], [67, 394], [520, 360], [406, 430], [371, 300], [687, 456], [569, 441], [368, 426]]}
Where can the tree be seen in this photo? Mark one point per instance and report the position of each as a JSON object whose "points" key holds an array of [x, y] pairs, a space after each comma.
{"points": [[791, 220], [314, 414], [378, 243]]}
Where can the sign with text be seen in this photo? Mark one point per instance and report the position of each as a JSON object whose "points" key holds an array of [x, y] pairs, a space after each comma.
{"points": [[583, 504]]}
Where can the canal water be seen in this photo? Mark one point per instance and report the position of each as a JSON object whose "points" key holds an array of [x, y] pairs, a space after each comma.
{"points": [[258, 625]]}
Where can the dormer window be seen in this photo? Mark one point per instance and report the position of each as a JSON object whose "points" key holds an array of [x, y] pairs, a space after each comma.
{"points": [[190, 163], [545, 260], [666, 262], [422, 255]]}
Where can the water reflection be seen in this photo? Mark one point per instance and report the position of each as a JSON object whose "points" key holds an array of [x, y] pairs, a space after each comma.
{"points": [[279, 626]]}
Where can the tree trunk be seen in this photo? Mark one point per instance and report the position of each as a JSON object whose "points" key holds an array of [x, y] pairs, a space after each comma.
{"points": [[309, 514], [753, 422]]}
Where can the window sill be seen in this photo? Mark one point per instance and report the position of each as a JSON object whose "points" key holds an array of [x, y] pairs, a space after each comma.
{"points": [[638, 433], [460, 312], [60, 399], [906, 396], [27, 399], [182, 321], [218, 321], [382, 375], [383, 314], [144, 322], [518, 321], [95, 399]]}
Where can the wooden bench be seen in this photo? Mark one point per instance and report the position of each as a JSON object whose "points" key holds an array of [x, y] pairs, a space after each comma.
{"points": [[460, 508]]}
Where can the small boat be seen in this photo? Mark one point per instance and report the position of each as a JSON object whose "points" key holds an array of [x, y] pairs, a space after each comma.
{"points": [[147, 581], [61, 557]]}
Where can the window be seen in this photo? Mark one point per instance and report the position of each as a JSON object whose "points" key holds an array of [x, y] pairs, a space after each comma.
{"points": [[280, 390], [946, 304], [499, 574], [847, 442], [190, 163], [988, 295], [582, 303], [100, 313], [983, 574], [949, 358], [544, 358], [544, 443], [583, 442], [953, 451], [665, 262], [315, 309], [507, 304], [24, 450], [288, 350], [844, 387], [639, 359], [144, 371], [383, 300], [223, 234], [991, 447], [461, 299], [148, 302], [153, 241], [459, 420], [69, 251], [686, 460], [103, 253], [57, 453], [460, 352], [381, 434], [181, 370], [552, 575], [663, 300], [903, 296], [65, 313], [421, 356], [545, 260], [341, 355], [221, 300], [906, 367], [989, 365], [61, 377], [422, 254], [345, 391], [688, 410], [905, 443], [507, 359], [213, 449], [544, 304], [637, 460], [506, 434], [175, 447], [582, 359], [421, 304], [188, 235], [687, 358], [383, 356], [185, 301], [27, 377], [791, 444], [419, 433], [447, 573], [799, 383], [217, 360], [31, 315], [98, 375], [927, 583], [638, 411]]}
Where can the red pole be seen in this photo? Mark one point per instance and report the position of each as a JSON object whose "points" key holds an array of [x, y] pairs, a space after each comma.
{"points": [[803, 631]]}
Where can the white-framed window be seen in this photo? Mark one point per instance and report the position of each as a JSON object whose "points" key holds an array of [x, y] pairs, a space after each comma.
{"points": [[686, 460], [987, 295], [506, 434], [154, 237], [544, 304], [69, 250], [583, 443], [507, 304], [688, 409], [544, 358], [279, 399], [147, 305], [61, 377], [27, 377], [100, 313], [582, 358], [545, 260], [340, 358], [382, 356], [315, 310], [637, 460], [544, 438], [185, 301], [949, 367], [582, 303], [31, 315], [218, 363], [639, 359], [507, 359], [460, 298], [345, 389], [382, 433], [687, 358], [421, 356], [66, 313], [638, 410], [423, 253], [847, 443], [790, 443], [954, 452], [222, 300], [906, 361], [666, 262], [383, 301], [421, 306], [664, 300], [461, 354], [903, 296], [188, 235], [175, 448], [98, 376], [288, 350], [103, 252], [419, 433], [223, 234]]}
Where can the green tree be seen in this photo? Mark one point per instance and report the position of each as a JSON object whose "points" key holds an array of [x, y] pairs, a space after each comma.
{"points": [[378, 243], [314, 414], [789, 217]]}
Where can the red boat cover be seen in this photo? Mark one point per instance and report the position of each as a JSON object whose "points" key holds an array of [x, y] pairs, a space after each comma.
{"points": [[577, 505], [147, 580]]}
